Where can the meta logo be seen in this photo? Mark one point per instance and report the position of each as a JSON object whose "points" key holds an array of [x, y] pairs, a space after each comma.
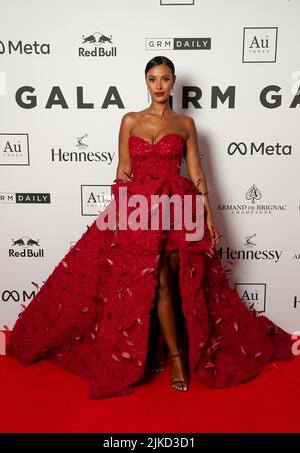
{"points": [[19, 47], [262, 149], [14, 295]]}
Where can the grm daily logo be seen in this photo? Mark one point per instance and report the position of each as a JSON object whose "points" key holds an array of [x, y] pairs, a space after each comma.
{"points": [[178, 43]]}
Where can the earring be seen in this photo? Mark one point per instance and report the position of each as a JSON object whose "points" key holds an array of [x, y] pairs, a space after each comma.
{"points": [[172, 92], [149, 95]]}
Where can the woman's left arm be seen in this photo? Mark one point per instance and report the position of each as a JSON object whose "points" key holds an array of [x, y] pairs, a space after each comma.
{"points": [[197, 175]]}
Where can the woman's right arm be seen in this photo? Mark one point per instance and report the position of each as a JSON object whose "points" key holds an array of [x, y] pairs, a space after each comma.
{"points": [[124, 164]]}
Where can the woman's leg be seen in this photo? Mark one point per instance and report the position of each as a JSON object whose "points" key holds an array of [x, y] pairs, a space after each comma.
{"points": [[166, 314]]}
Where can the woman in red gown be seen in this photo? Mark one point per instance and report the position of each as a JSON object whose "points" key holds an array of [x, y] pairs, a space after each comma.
{"points": [[122, 300]]}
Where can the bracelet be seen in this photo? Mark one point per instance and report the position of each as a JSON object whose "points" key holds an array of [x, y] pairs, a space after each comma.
{"points": [[198, 180], [203, 193]]}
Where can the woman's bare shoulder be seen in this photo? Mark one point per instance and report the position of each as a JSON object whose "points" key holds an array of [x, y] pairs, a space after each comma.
{"points": [[129, 119], [185, 118], [187, 123]]}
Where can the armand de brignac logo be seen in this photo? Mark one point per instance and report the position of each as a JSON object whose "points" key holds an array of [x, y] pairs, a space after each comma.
{"points": [[253, 194]]}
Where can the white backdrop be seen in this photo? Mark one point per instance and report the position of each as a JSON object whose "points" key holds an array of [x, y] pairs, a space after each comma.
{"points": [[238, 72]]}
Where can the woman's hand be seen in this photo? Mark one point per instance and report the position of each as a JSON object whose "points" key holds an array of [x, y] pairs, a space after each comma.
{"points": [[213, 231], [126, 177]]}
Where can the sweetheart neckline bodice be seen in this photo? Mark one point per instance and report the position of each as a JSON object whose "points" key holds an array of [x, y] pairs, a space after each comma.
{"points": [[159, 140]]}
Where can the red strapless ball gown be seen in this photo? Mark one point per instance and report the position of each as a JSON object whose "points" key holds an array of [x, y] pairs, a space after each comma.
{"points": [[92, 315]]}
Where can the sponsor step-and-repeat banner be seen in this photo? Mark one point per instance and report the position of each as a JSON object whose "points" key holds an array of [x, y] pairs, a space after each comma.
{"points": [[68, 73]]}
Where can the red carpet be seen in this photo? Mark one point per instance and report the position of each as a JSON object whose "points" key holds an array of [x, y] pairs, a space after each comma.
{"points": [[44, 398]]}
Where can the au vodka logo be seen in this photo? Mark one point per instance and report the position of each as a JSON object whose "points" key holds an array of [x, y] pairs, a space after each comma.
{"points": [[253, 295], [260, 44], [14, 149]]}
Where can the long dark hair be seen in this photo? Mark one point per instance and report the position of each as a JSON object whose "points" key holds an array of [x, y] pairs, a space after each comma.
{"points": [[160, 59]]}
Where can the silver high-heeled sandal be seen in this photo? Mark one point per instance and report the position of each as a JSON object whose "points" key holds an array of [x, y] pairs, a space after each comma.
{"points": [[184, 382]]}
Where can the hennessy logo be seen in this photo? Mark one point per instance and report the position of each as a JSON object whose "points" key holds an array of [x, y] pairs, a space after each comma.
{"points": [[80, 143], [248, 241]]}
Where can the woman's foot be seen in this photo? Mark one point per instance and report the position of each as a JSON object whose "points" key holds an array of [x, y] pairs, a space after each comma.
{"points": [[159, 367], [179, 379]]}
